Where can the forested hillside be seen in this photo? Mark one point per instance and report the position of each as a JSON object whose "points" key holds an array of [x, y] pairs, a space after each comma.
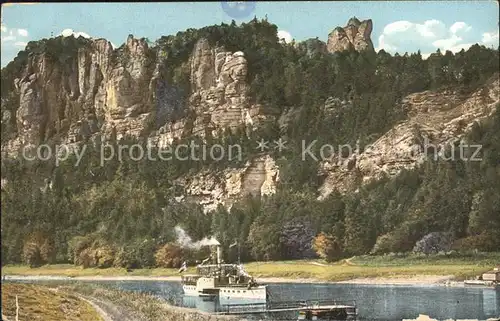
{"points": [[124, 213]]}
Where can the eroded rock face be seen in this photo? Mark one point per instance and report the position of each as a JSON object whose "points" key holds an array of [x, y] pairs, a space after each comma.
{"points": [[96, 92], [220, 95], [84, 95], [259, 176], [100, 91], [355, 35], [436, 119]]}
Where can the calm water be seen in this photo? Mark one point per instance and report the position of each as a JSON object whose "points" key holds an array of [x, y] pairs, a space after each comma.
{"points": [[374, 302]]}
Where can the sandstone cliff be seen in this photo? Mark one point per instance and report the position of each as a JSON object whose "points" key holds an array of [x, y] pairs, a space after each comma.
{"points": [[92, 91], [97, 91], [355, 35], [436, 118]]}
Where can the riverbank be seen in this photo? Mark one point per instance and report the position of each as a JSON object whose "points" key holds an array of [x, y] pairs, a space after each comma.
{"points": [[447, 280], [86, 302], [36, 302], [438, 269]]}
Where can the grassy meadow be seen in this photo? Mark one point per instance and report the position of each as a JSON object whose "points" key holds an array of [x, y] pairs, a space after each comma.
{"points": [[38, 302], [461, 266]]}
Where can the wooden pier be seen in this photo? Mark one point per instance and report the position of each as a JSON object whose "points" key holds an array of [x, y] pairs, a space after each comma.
{"points": [[315, 307]]}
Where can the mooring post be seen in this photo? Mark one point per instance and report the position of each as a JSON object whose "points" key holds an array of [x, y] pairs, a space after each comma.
{"points": [[17, 309]]}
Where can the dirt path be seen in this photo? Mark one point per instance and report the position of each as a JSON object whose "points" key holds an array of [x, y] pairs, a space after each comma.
{"points": [[107, 310]]}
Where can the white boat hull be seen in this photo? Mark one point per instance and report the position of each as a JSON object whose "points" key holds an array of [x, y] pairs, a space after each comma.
{"points": [[256, 293], [228, 293]]}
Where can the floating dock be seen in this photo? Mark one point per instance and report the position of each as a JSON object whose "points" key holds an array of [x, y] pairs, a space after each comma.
{"points": [[313, 307]]}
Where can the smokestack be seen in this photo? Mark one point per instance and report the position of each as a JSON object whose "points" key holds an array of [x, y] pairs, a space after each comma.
{"points": [[218, 254]]}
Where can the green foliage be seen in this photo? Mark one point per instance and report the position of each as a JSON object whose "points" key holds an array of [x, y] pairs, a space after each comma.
{"points": [[124, 213], [169, 256]]}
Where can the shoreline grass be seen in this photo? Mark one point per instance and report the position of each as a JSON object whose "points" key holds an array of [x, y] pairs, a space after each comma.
{"points": [[38, 302], [387, 266]]}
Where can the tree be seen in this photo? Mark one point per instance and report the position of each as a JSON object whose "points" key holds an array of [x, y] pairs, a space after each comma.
{"points": [[327, 247], [170, 255]]}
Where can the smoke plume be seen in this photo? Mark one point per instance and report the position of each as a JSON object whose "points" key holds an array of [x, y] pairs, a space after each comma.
{"points": [[184, 240]]}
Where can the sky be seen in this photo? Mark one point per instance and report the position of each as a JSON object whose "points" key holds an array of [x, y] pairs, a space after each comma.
{"points": [[398, 26]]}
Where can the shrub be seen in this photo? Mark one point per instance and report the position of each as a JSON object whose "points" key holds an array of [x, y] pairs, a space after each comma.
{"points": [[488, 241], [31, 255], [169, 256], [126, 258], [433, 243], [327, 247], [75, 246], [38, 250], [88, 253]]}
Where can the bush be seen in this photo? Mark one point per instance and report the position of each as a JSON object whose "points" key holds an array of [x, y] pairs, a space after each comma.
{"points": [[169, 256], [31, 255], [488, 241], [126, 258], [104, 256], [75, 246], [88, 253], [327, 247], [38, 250], [401, 239], [433, 243]]}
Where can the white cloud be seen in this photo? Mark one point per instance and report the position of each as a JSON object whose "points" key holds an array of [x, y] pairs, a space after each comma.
{"points": [[20, 44], [8, 38], [13, 40], [459, 26], [490, 38], [69, 32], [282, 34], [430, 28], [425, 55], [11, 34], [457, 38], [383, 45], [447, 43], [22, 32], [396, 27], [400, 35], [403, 36]]}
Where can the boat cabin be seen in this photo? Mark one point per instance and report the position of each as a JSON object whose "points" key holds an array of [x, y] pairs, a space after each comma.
{"points": [[190, 279], [492, 276]]}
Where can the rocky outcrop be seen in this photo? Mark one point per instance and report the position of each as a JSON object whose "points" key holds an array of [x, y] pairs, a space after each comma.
{"points": [[436, 121], [98, 91], [219, 99], [259, 176], [85, 95], [355, 35]]}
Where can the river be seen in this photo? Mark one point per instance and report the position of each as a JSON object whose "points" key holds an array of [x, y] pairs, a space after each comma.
{"points": [[374, 302]]}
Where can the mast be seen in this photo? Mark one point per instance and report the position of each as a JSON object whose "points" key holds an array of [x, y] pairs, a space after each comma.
{"points": [[239, 253]]}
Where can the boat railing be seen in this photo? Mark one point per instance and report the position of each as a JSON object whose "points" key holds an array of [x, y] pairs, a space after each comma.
{"points": [[243, 307]]}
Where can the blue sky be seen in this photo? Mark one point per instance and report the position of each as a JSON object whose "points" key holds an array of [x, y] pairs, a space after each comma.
{"points": [[397, 26]]}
